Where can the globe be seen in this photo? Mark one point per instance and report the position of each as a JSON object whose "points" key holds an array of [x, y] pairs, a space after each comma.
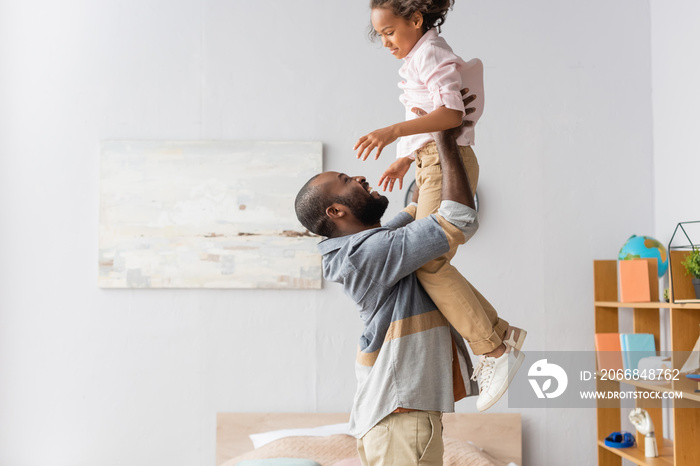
{"points": [[645, 247]]}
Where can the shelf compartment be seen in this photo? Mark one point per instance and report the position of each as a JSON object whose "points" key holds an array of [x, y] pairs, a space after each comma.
{"points": [[686, 426], [636, 453]]}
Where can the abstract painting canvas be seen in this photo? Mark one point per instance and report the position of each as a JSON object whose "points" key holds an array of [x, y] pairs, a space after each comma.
{"points": [[206, 214]]}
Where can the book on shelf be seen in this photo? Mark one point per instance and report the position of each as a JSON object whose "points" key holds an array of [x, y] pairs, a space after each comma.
{"points": [[636, 346], [634, 281], [608, 351]]}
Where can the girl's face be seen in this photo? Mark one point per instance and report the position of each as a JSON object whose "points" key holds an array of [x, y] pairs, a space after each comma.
{"points": [[398, 34]]}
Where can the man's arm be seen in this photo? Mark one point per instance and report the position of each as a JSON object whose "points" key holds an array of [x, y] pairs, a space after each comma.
{"points": [[457, 208], [446, 142], [455, 183], [387, 256]]}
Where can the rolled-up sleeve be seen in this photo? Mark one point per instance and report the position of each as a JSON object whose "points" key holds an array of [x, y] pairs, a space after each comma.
{"points": [[438, 69], [455, 216]]}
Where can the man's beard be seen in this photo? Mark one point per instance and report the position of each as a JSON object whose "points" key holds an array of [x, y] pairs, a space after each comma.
{"points": [[369, 211]]}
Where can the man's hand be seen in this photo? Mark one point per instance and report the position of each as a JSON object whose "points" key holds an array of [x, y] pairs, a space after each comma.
{"points": [[396, 171], [378, 139]]}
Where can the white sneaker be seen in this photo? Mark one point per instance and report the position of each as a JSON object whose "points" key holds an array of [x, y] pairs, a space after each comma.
{"points": [[495, 374]]}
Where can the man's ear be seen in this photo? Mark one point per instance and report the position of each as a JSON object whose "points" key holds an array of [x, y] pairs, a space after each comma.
{"points": [[336, 211]]}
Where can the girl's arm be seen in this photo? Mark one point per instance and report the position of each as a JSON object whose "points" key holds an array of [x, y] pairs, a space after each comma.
{"points": [[440, 119]]}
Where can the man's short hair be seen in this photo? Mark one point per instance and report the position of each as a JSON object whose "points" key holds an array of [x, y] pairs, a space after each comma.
{"points": [[310, 206]]}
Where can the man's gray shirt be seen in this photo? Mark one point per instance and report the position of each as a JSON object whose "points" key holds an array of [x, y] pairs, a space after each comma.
{"points": [[405, 354]]}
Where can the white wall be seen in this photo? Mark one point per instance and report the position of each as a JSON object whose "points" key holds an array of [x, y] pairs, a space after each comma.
{"points": [[676, 99], [136, 377]]}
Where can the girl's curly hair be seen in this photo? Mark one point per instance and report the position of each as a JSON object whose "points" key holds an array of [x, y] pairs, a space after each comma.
{"points": [[433, 11]]}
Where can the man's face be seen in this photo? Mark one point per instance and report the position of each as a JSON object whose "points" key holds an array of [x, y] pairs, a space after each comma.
{"points": [[355, 193]]}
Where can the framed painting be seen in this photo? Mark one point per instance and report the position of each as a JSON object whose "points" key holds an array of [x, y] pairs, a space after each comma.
{"points": [[206, 214]]}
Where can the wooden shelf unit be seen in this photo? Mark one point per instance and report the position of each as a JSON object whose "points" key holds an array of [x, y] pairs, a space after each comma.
{"points": [[684, 322]]}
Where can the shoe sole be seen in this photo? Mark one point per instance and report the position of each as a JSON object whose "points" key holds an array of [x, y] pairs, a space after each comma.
{"points": [[511, 374], [517, 344]]}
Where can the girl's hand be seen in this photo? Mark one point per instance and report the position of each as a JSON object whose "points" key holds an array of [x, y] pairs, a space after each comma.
{"points": [[378, 139], [396, 171]]}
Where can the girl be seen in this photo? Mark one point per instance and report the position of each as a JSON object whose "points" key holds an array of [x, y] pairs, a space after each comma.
{"points": [[432, 78]]}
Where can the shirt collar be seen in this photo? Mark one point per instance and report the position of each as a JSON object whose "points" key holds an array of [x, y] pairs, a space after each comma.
{"points": [[331, 244], [430, 34]]}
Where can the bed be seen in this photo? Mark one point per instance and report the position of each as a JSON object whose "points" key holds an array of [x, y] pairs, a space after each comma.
{"points": [[497, 436]]}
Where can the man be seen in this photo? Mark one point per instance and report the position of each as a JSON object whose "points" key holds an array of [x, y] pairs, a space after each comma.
{"points": [[411, 364]]}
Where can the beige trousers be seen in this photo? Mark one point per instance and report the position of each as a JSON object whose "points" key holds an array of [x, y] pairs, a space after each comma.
{"points": [[404, 439], [461, 304]]}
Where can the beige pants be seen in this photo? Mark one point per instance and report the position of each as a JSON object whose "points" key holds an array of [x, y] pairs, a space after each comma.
{"points": [[404, 439], [461, 304]]}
